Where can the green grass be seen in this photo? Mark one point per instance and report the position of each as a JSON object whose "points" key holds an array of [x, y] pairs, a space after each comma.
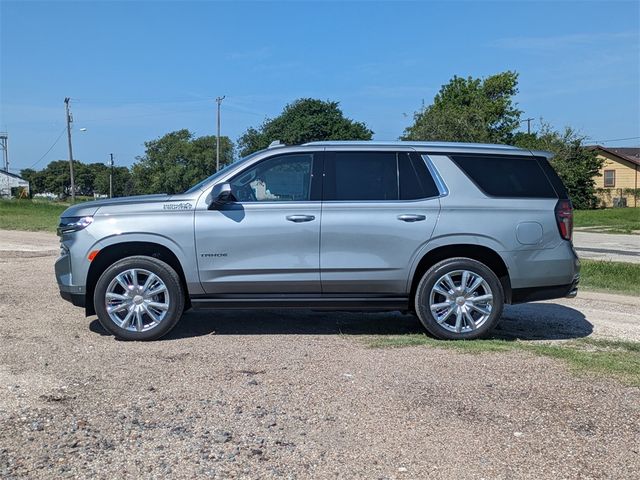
{"points": [[611, 220], [30, 215], [614, 358], [614, 277]]}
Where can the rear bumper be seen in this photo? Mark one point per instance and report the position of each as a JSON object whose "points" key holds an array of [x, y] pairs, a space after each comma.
{"points": [[522, 295], [540, 268]]}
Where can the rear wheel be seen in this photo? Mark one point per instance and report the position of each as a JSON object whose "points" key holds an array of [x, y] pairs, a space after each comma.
{"points": [[139, 298], [459, 298]]}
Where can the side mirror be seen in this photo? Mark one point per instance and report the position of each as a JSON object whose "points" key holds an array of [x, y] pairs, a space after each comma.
{"points": [[221, 195]]}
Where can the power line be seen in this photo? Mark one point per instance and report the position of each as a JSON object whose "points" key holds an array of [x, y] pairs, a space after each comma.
{"points": [[142, 101], [616, 139], [50, 148], [141, 115]]}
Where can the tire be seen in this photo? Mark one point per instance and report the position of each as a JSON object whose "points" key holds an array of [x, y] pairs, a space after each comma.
{"points": [[141, 306], [450, 313]]}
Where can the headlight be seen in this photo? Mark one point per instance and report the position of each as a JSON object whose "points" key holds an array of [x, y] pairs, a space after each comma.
{"points": [[73, 224]]}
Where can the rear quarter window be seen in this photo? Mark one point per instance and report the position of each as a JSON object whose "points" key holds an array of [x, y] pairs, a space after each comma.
{"points": [[507, 176], [553, 177], [415, 180]]}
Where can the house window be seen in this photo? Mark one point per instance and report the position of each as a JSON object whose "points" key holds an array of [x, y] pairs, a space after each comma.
{"points": [[609, 178]]}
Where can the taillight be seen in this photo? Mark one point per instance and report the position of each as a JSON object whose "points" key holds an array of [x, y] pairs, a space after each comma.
{"points": [[564, 217]]}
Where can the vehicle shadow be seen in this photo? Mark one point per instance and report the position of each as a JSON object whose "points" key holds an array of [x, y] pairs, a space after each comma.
{"points": [[535, 321], [542, 321]]}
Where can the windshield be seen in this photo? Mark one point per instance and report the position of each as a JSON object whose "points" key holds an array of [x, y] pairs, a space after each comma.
{"points": [[220, 172]]}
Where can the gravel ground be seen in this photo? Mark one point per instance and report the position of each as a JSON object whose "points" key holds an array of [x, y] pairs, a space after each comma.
{"points": [[296, 394]]}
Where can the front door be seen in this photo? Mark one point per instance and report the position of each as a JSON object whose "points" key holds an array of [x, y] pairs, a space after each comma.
{"points": [[268, 240]]}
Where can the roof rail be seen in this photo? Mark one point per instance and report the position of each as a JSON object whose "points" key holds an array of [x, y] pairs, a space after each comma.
{"points": [[276, 144], [410, 143]]}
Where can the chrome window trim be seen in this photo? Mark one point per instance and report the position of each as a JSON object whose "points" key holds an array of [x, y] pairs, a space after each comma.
{"points": [[442, 187]]}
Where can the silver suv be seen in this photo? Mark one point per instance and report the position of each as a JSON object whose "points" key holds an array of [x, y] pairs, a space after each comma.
{"points": [[448, 231]]}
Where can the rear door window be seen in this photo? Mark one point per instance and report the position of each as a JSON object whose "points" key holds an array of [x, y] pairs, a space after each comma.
{"points": [[375, 176], [506, 176], [361, 176]]}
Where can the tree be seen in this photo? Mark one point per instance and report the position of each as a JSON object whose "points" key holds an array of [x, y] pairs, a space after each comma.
{"points": [[85, 177], [89, 179], [56, 177], [576, 165], [304, 120], [122, 182], [35, 179], [174, 162], [470, 110]]}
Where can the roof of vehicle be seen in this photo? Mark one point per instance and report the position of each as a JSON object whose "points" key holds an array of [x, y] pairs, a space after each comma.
{"points": [[457, 147]]}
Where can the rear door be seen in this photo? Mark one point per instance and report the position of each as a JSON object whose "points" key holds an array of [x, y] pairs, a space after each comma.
{"points": [[379, 209]]}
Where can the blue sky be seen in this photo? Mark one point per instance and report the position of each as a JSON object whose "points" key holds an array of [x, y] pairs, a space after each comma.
{"points": [[136, 70]]}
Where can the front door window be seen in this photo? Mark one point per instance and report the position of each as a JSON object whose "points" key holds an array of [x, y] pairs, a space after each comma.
{"points": [[286, 178]]}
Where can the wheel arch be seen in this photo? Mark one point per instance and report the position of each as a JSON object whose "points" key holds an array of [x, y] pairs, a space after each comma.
{"points": [[117, 251], [485, 255]]}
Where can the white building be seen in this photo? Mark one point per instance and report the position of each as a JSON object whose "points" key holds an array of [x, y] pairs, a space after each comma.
{"points": [[9, 181]]}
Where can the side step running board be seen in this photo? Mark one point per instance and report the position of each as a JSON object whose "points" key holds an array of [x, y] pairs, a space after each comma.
{"points": [[315, 303]]}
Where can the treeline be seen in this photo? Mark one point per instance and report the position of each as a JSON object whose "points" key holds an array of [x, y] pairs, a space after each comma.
{"points": [[89, 178], [464, 110], [170, 164]]}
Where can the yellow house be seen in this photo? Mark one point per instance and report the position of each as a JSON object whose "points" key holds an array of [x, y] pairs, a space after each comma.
{"points": [[617, 184]]}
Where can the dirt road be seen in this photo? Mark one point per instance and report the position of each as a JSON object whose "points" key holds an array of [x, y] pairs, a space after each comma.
{"points": [[298, 394]]}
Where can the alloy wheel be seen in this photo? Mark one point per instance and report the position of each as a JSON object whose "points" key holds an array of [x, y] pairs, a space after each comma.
{"points": [[137, 300], [461, 301]]}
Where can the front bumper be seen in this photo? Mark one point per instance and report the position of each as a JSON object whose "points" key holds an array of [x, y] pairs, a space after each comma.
{"points": [[64, 276], [77, 299]]}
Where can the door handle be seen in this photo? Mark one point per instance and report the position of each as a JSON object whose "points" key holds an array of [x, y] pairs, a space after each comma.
{"points": [[411, 218], [300, 218]]}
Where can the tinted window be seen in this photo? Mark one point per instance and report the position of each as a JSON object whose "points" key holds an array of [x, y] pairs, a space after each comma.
{"points": [[553, 177], [361, 176], [278, 179], [415, 180], [502, 176]]}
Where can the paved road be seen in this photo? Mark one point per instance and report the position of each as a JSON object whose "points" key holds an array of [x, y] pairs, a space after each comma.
{"points": [[607, 246], [28, 244]]}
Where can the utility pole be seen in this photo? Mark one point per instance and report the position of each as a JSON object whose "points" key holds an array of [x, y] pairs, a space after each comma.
{"points": [[528, 120], [218, 101], [111, 177], [4, 145], [69, 121]]}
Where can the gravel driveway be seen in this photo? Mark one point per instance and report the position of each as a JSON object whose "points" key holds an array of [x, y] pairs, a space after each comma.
{"points": [[295, 394]]}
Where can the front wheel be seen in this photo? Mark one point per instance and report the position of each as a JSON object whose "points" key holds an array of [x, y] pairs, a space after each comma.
{"points": [[459, 299], [139, 298]]}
